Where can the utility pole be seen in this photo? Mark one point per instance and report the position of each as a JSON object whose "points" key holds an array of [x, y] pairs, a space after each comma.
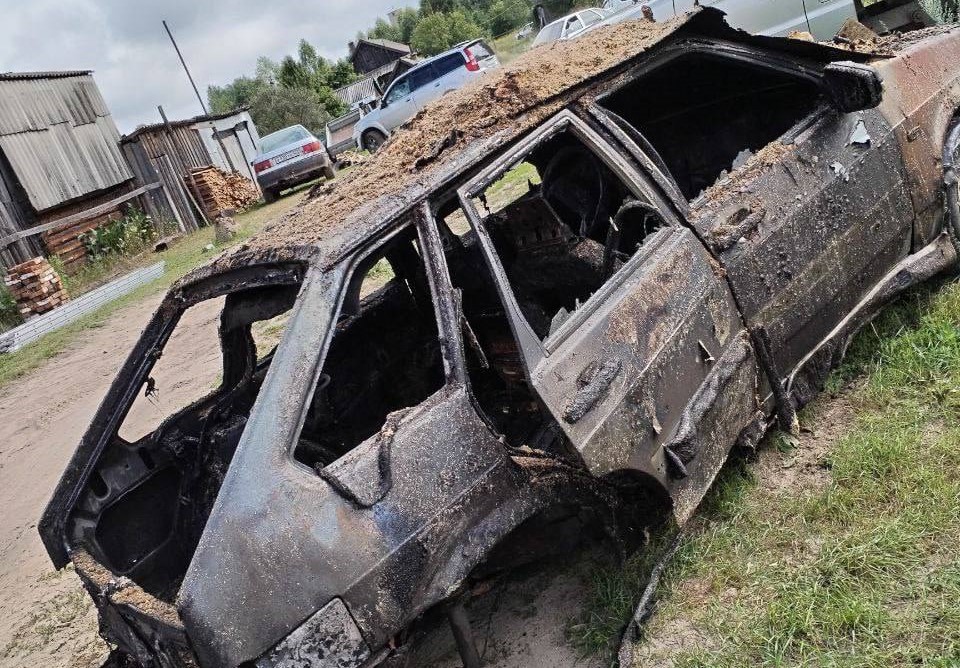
{"points": [[185, 69]]}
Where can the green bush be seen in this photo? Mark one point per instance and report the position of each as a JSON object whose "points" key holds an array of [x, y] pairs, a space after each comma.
{"points": [[129, 234], [9, 315]]}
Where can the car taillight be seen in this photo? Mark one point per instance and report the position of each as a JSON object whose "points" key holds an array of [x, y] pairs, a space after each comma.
{"points": [[311, 147], [262, 165], [472, 64]]}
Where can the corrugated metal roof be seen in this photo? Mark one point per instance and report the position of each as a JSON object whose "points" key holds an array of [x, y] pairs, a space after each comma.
{"points": [[11, 76], [359, 91], [58, 135], [153, 127]]}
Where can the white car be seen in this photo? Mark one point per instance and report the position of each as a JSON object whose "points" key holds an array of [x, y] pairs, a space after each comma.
{"points": [[570, 26], [778, 18], [421, 84]]}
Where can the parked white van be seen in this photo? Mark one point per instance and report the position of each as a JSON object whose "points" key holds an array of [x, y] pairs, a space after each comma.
{"points": [[421, 84]]}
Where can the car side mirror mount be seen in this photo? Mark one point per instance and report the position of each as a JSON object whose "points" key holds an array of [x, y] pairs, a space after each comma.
{"points": [[852, 86]]}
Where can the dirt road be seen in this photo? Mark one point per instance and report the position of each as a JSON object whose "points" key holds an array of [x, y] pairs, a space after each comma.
{"points": [[45, 617]]}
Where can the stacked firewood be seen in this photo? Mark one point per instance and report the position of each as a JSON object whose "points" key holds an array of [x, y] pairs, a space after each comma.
{"points": [[218, 191], [36, 287]]}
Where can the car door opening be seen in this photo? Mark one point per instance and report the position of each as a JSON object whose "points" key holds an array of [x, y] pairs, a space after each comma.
{"points": [[566, 235], [384, 356], [723, 111]]}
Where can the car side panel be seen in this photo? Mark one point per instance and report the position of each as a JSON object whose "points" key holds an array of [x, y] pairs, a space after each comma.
{"points": [[805, 230], [921, 96]]}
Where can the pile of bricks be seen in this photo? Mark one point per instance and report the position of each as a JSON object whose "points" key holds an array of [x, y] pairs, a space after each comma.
{"points": [[219, 191], [36, 287]]}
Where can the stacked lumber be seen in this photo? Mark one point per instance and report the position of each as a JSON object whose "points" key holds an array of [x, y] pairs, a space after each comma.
{"points": [[35, 286], [218, 192], [66, 242]]}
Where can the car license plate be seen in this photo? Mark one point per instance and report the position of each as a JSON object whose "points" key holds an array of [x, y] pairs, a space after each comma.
{"points": [[289, 155]]}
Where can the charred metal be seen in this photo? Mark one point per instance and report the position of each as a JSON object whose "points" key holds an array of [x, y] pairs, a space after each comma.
{"points": [[468, 374]]}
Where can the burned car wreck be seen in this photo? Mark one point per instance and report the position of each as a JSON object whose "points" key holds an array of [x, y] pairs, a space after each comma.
{"points": [[561, 295]]}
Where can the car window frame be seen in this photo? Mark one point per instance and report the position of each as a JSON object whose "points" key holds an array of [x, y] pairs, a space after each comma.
{"points": [[343, 273], [551, 36], [453, 56], [592, 12], [532, 348], [429, 70], [164, 323], [718, 48], [405, 77], [568, 30]]}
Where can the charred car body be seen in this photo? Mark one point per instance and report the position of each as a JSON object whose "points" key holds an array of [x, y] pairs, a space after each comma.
{"points": [[683, 269]]}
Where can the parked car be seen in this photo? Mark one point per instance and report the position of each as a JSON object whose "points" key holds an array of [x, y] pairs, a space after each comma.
{"points": [[821, 18], [420, 85], [525, 31], [471, 373], [289, 157], [569, 26]]}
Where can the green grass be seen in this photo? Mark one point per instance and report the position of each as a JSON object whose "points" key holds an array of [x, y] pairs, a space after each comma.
{"points": [[185, 255], [508, 47], [861, 569]]}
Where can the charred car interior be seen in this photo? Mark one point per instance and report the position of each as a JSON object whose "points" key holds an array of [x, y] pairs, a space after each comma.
{"points": [[569, 321], [725, 109]]}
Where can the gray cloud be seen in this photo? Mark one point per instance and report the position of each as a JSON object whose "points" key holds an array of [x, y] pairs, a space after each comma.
{"points": [[134, 65]]}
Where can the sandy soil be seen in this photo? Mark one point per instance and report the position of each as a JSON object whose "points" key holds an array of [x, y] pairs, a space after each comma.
{"points": [[45, 617], [520, 622]]}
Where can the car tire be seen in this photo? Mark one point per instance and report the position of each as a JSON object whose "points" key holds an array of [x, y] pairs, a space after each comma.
{"points": [[372, 140], [270, 195]]}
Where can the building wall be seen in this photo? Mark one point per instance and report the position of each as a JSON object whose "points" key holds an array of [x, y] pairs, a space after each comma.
{"points": [[369, 57], [58, 136], [240, 138]]}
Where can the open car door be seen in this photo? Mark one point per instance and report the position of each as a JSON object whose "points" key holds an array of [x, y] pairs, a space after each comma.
{"points": [[628, 332]]}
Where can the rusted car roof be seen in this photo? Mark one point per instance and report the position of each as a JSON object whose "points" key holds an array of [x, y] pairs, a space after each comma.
{"points": [[462, 128]]}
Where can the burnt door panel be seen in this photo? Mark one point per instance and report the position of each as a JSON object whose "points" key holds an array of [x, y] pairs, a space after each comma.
{"points": [[806, 235], [660, 377], [650, 373]]}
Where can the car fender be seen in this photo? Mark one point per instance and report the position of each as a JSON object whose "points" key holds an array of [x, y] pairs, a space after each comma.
{"points": [[373, 125]]}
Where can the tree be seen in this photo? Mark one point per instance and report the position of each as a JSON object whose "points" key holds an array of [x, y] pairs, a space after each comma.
{"points": [[275, 107], [238, 93], [505, 15], [949, 10], [437, 6], [341, 74], [407, 20], [438, 31], [383, 30]]}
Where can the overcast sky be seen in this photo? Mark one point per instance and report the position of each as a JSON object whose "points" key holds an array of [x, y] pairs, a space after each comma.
{"points": [[134, 64]]}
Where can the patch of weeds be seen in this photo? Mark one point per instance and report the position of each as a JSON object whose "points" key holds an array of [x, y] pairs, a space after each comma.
{"points": [[614, 593], [9, 313]]}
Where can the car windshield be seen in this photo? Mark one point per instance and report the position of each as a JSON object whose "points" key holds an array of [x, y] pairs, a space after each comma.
{"points": [[549, 33], [283, 137], [591, 16]]}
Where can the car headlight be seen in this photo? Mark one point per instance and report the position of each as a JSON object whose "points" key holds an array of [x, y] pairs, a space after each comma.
{"points": [[329, 637]]}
